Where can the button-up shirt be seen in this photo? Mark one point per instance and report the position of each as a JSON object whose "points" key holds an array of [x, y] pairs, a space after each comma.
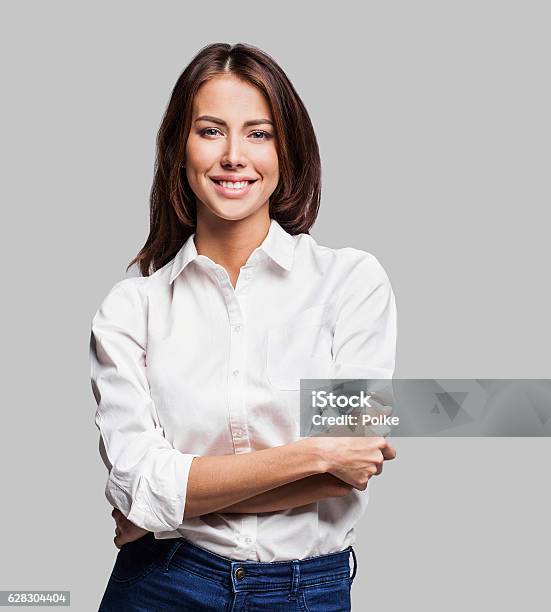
{"points": [[183, 365]]}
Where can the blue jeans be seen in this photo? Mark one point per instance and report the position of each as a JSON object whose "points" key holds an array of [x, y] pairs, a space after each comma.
{"points": [[175, 574]]}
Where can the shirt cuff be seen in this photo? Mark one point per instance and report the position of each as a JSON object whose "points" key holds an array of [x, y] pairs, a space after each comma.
{"points": [[153, 504]]}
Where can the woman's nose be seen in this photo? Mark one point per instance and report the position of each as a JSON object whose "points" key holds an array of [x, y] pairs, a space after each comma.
{"points": [[234, 154]]}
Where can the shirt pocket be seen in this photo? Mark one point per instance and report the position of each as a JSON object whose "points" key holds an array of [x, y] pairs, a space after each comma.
{"points": [[300, 348]]}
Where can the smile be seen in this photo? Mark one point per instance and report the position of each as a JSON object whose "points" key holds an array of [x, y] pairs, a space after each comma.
{"points": [[229, 189]]}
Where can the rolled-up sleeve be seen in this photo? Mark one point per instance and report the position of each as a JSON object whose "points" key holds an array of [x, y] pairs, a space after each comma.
{"points": [[148, 477], [364, 342]]}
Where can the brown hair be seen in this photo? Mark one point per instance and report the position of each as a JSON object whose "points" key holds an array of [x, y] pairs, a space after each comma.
{"points": [[295, 201]]}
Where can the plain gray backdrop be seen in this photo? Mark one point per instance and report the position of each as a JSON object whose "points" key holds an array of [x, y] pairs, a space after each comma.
{"points": [[434, 130]]}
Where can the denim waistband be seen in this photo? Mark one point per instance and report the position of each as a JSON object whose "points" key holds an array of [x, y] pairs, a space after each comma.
{"points": [[259, 576]]}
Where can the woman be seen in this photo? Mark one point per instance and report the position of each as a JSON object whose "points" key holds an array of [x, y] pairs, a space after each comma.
{"points": [[196, 364]]}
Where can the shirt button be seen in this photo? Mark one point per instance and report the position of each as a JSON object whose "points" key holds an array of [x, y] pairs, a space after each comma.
{"points": [[236, 328], [248, 540], [240, 573], [235, 372]]}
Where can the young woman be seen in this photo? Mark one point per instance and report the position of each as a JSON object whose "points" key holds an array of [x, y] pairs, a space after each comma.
{"points": [[220, 504]]}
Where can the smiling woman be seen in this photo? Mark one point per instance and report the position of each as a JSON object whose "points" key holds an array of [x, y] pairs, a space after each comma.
{"points": [[231, 102], [196, 364], [237, 109]]}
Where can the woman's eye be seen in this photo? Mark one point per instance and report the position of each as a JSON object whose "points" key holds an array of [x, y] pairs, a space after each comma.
{"points": [[258, 134], [203, 132], [265, 134]]}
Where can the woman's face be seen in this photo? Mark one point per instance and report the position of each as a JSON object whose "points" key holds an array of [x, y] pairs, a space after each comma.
{"points": [[231, 138]]}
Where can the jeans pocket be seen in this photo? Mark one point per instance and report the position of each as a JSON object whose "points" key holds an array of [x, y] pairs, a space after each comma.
{"points": [[331, 596], [135, 560]]}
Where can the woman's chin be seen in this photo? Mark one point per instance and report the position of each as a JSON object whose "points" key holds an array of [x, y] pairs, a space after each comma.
{"points": [[232, 212]]}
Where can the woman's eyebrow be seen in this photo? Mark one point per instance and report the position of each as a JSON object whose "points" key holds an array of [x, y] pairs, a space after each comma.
{"points": [[222, 122]]}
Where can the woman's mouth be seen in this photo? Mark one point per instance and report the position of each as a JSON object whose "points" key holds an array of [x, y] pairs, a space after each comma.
{"points": [[230, 189]]}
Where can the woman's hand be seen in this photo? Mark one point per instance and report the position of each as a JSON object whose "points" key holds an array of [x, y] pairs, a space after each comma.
{"points": [[125, 530], [355, 459]]}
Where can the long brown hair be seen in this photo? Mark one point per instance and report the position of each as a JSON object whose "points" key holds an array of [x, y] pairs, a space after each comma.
{"points": [[295, 201]]}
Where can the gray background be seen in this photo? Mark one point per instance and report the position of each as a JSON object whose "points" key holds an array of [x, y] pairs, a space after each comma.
{"points": [[433, 124]]}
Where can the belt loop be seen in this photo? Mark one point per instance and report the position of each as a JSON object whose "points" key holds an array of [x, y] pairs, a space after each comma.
{"points": [[295, 579], [355, 564], [171, 552]]}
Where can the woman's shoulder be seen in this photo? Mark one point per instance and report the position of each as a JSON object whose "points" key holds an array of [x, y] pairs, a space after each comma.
{"points": [[137, 285], [121, 298], [345, 259]]}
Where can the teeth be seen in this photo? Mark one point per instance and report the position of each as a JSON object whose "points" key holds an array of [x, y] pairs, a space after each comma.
{"points": [[229, 185]]}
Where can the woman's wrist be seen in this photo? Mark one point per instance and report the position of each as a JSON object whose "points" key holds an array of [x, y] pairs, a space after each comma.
{"points": [[315, 450]]}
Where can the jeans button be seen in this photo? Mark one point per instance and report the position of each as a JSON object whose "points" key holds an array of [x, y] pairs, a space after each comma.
{"points": [[240, 573]]}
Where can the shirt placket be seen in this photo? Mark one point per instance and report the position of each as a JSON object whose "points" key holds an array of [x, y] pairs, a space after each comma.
{"points": [[236, 303]]}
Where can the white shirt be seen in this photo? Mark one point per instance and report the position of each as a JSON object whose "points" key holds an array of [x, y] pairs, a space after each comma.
{"points": [[183, 365]]}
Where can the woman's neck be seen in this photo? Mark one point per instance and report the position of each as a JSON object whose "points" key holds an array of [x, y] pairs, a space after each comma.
{"points": [[230, 243]]}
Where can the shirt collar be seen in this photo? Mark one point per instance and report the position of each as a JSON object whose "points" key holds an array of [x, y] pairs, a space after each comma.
{"points": [[278, 244]]}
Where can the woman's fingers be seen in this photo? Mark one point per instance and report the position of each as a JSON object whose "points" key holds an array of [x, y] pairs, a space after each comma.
{"points": [[116, 513], [122, 525], [120, 519], [388, 452], [125, 530]]}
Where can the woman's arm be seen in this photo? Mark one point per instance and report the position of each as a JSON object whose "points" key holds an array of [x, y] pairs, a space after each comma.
{"points": [[292, 495], [299, 493], [216, 482]]}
